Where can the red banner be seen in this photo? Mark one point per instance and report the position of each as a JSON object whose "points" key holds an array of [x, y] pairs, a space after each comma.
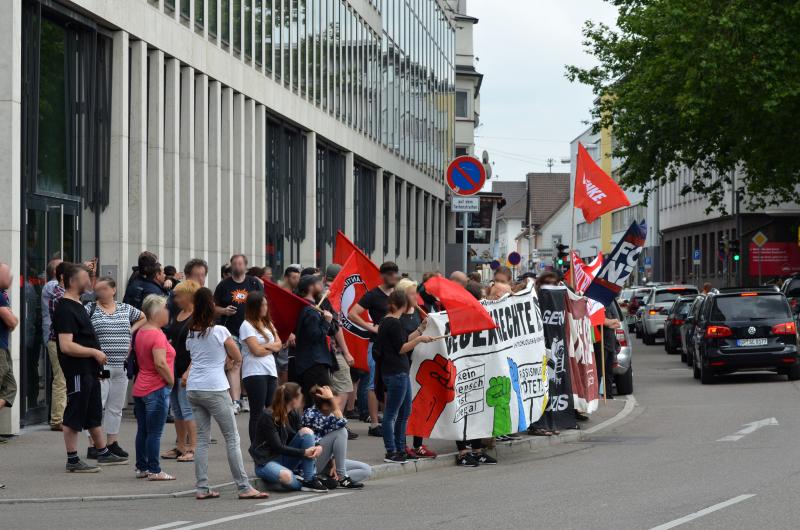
{"points": [[777, 259]]}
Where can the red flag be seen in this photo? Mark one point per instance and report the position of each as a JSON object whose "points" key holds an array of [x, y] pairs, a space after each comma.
{"points": [[585, 273], [284, 308], [358, 275], [595, 192], [343, 248], [464, 312]]}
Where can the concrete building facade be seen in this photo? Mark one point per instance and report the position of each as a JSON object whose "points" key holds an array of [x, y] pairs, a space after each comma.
{"points": [[203, 128]]}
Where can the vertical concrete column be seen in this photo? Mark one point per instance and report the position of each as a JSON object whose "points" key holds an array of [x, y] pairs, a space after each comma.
{"points": [[137, 173], [260, 176], [172, 168], [377, 255], [239, 198], [189, 223], [155, 154], [349, 194], [11, 214], [392, 217], [226, 177], [249, 210], [214, 197], [114, 230], [202, 200], [308, 248]]}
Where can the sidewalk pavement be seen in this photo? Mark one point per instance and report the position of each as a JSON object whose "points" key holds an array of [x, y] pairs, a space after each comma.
{"points": [[32, 464]]}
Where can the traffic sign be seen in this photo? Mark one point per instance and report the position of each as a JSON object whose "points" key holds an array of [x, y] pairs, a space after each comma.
{"points": [[514, 258], [465, 204], [760, 239], [466, 175], [697, 256], [648, 261], [494, 264]]}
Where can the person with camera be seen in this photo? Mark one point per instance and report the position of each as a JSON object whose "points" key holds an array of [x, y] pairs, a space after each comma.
{"points": [[81, 361], [113, 323], [155, 358]]}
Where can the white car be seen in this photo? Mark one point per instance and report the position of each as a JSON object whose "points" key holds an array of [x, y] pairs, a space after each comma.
{"points": [[656, 308]]}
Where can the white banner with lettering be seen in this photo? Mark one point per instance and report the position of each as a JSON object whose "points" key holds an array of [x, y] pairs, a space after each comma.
{"points": [[482, 384]]}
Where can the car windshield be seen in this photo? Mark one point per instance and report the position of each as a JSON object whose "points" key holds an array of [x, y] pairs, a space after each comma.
{"points": [[671, 295], [760, 307]]}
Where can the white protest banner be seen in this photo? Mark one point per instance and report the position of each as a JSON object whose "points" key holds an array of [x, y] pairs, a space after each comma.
{"points": [[481, 384]]}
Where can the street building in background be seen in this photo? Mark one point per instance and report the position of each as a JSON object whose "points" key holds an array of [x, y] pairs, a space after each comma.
{"points": [[213, 127]]}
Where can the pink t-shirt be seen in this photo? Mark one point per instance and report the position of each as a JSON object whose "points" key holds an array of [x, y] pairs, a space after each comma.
{"points": [[149, 380]]}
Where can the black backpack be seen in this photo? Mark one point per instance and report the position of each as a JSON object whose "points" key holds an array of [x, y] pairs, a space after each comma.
{"points": [[131, 364]]}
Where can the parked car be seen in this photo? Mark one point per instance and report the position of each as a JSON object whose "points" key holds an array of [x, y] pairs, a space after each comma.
{"points": [[656, 308], [745, 329], [634, 304], [675, 319], [687, 329], [623, 367], [791, 290]]}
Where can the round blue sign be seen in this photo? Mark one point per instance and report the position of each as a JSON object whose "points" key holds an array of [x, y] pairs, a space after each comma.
{"points": [[466, 175], [494, 264], [514, 258]]}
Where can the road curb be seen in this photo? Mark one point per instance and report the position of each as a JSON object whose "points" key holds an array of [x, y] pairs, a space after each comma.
{"points": [[379, 471]]}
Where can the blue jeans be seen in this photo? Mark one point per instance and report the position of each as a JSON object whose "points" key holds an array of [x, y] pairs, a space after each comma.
{"points": [[151, 415], [366, 382], [305, 467], [396, 412]]}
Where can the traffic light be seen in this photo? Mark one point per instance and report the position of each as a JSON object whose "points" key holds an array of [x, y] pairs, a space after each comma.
{"points": [[722, 245], [563, 255], [733, 247]]}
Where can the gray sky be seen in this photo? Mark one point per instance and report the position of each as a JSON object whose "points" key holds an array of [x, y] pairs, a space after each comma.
{"points": [[529, 110]]}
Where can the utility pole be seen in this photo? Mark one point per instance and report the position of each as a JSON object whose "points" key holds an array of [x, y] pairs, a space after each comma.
{"points": [[550, 163]]}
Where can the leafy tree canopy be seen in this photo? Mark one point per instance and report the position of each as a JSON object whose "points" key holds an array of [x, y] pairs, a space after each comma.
{"points": [[708, 84]]}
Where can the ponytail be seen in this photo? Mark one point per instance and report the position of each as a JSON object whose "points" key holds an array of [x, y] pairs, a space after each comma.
{"points": [[284, 395]]}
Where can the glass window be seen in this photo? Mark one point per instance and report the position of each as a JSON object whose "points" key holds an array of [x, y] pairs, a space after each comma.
{"points": [[302, 48], [212, 19], [225, 21], [248, 29], [52, 173], [169, 6], [185, 6], [293, 44], [258, 40], [286, 40], [237, 26], [268, 22], [199, 16], [386, 193], [398, 213], [409, 192], [462, 104], [277, 37]]}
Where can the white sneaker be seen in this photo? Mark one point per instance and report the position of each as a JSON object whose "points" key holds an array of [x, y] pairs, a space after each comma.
{"points": [[236, 408], [245, 404]]}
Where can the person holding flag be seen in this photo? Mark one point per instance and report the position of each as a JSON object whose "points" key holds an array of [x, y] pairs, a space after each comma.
{"points": [[312, 355]]}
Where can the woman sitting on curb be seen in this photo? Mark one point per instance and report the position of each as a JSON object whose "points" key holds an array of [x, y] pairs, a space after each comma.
{"points": [[326, 420], [282, 448]]}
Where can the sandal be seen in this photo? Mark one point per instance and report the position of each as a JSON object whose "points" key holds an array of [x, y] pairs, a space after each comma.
{"points": [[188, 456], [160, 476], [253, 494], [540, 432], [207, 495], [172, 454]]}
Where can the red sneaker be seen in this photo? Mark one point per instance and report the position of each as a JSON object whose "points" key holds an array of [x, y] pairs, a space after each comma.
{"points": [[411, 454], [423, 452]]}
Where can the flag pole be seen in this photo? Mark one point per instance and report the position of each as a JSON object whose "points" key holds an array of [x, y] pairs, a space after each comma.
{"points": [[571, 250], [603, 359]]}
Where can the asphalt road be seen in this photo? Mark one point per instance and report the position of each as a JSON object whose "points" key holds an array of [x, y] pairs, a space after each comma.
{"points": [[665, 464]]}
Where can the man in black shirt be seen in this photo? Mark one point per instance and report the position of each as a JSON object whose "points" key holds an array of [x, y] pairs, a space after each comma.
{"points": [[376, 303], [312, 354], [230, 297], [143, 283], [81, 361]]}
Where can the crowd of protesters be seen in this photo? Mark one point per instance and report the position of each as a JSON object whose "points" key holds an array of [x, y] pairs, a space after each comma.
{"points": [[191, 352]]}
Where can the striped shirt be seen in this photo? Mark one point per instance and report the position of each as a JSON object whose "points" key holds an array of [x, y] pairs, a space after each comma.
{"points": [[114, 330]]}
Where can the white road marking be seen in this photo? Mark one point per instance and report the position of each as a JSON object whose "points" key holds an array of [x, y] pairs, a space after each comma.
{"points": [[274, 508], [166, 525], [630, 403], [749, 428], [703, 512]]}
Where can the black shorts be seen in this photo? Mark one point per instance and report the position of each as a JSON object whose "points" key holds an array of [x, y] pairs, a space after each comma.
{"points": [[84, 403]]}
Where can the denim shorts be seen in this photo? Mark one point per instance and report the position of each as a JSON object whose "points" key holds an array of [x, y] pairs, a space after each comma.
{"points": [[179, 402]]}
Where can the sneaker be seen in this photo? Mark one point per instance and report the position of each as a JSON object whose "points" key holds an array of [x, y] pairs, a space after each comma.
{"points": [[411, 455], [314, 485], [466, 460], [351, 435], [350, 484], [395, 458], [81, 467], [328, 482], [245, 404], [91, 454], [363, 418], [141, 474], [110, 459], [423, 452], [513, 437], [352, 414], [236, 408], [503, 438], [484, 459], [117, 450], [376, 431]]}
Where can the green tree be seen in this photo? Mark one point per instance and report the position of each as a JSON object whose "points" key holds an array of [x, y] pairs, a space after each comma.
{"points": [[706, 84]]}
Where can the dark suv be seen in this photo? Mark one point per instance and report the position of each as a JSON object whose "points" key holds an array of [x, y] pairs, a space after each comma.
{"points": [[745, 329], [675, 319]]}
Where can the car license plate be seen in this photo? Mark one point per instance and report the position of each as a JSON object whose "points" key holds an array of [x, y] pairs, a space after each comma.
{"points": [[751, 342]]}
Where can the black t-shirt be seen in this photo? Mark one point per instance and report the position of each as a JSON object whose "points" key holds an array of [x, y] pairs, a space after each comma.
{"points": [[376, 302], [229, 292], [71, 317], [177, 331], [391, 337]]}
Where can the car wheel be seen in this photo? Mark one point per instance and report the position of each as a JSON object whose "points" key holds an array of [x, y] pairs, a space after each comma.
{"points": [[689, 359], [684, 358], [624, 383], [648, 339], [696, 371], [638, 333], [794, 372], [706, 376]]}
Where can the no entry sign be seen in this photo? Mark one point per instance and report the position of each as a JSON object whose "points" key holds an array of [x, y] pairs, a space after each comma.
{"points": [[466, 175]]}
